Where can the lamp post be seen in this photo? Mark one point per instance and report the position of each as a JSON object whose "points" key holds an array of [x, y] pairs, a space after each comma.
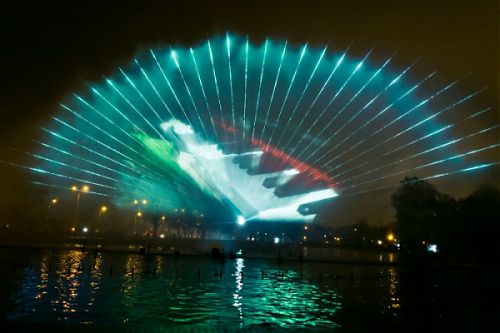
{"points": [[75, 189], [52, 202], [102, 210], [138, 214]]}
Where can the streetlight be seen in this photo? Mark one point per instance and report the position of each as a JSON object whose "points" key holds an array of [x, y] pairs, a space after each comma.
{"points": [[84, 189], [137, 215], [102, 210], [53, 201]]}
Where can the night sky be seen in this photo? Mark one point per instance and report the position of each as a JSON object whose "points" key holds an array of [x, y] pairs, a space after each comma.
{"points": [[50, 51]]}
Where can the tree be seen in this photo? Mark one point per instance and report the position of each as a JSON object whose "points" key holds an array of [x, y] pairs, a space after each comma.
{"points": [[419, 207], [479, 214]]}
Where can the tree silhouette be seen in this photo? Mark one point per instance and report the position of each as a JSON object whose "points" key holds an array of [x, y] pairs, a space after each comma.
{"points": [[419, 207]]}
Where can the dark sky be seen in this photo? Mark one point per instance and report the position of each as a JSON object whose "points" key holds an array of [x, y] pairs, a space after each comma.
{"points": [[49, 51]]}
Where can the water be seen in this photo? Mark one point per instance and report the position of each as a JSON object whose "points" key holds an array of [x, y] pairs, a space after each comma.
{"points": [[110, 292]]}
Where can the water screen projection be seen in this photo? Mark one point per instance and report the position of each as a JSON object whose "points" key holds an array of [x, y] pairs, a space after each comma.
{"points": [[267, 130]]}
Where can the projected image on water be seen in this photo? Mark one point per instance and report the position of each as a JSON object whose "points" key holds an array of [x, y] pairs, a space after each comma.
{"points": [[264, 130]]}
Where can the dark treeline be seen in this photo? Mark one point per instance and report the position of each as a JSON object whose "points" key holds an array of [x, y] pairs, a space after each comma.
{"points": [[464, 228]]}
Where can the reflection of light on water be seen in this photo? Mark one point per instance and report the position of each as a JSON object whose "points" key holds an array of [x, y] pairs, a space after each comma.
{"points": [[391, 257], [44, 277], [131, 279], [95, 278], [393, 289], [177, 293], [67, 283], [239, 286]]}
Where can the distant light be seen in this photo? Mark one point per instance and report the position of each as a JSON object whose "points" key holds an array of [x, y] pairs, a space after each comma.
{"points": [[163, 218], [104, 209], [162, 236], [240, 220], [432, 248], [276, 240], [54, 201], [379, 242], [305, 228], [139, 214], [85, 188], [74, 188], [136, 202], [144, 202], [390, 237], [85, 229], [305, 237], [73, 229]]}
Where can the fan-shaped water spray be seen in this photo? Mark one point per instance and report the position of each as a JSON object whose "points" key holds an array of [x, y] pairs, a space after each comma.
{"points": [[269, 128]]}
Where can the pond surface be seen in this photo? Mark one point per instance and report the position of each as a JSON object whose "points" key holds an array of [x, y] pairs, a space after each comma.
{"points": [[44, 290]]}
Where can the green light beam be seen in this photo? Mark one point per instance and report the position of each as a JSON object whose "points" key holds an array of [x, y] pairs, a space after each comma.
{"points": [[475, 151], [442, 129], [120, 128], [396, 79], [323, 111], [452, 142], [292, 81], [216, 84], [425, 101], [151, 84], [87, 149], [409, 91], [203, 90], [134, 108], [55, 174], [66, 188], [177, 65], [337, 64], [274, 89], [290, 117], [341, 111], [228, 47], [170, 87], [258, 91], [245, 95], [101, 143], [439, 175]]}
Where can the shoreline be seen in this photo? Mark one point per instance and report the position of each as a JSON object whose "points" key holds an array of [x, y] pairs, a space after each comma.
{"points": [[135, 249]]}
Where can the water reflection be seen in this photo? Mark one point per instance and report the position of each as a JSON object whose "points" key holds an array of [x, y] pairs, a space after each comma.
{"points": [[169, 291], [393, 289], [239, 265], [118, 292]]}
